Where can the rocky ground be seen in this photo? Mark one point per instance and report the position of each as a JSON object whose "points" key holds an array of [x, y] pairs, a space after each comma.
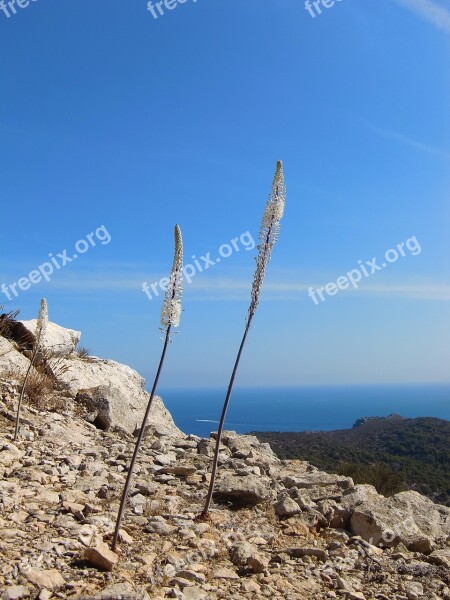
{"points": [[278, 529]]}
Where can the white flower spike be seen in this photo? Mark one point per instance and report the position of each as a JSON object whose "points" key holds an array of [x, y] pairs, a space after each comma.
{"points": [[268, 234], [172, 307], [42, 321]]}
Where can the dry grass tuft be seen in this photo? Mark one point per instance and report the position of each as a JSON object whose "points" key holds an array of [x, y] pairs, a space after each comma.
{"points": [[39, 386], [5, 321], [82, 351]]}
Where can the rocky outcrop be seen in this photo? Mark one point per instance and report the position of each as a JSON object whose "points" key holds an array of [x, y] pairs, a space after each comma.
{"points": [[114, 393], [115, 405], [407, 518], [11, 360], [57, 340], [243, 490]]}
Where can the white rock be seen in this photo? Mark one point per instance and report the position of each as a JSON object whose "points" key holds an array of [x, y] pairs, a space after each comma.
{"points": [[57, 340], [50, 579], [12, 361], [414, 590], [286, 507], [406, 517], [122, 390], [247, 490], [15, 592], [194, 593]]}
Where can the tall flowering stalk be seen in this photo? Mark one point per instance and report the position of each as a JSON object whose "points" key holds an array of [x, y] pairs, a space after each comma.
{"points": [[270, 227], [170, 318], [39, 335]]}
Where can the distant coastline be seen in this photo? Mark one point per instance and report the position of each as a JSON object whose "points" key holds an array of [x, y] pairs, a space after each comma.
{"points": [[413, 451], [307, 408]]}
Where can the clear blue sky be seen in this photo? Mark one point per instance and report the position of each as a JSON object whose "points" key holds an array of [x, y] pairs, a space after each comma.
{"points": [[111, 117]]}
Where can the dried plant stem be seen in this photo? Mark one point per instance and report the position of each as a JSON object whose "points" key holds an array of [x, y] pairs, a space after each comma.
{"points": [[41, 326], [251, 314], [139, 442], [222, 422], [22, 391], [268, 235], [170, 317]]}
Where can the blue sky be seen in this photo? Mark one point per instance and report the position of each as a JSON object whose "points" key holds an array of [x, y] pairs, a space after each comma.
{"points": [[109, 117]]}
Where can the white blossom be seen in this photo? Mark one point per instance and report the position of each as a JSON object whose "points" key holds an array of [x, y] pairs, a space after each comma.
{"points": [[42, 321], [172, 307], [268, 234]]}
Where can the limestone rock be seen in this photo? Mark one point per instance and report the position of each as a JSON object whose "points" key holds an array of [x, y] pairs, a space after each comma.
{"points": [[440, 557], [11, 360], [15, 592], [247, 490], [407, 517], [122, 401], [258, 563], [414, 590], [286, 507], [241, 552], [59, 498], [246, 448], [50, 579], [123, 591], [224, 573], [57, 340], [101, 556], [194, 593], [341, 512], [318, 479]]}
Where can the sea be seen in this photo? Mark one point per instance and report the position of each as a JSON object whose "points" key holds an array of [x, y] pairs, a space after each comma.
{"points": [[318, 408]]}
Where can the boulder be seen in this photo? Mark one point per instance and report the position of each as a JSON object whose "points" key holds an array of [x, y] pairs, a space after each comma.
{"points": [[248, 449], [351, 499], [57, 340], [116, 394], [12, 362], [358, 495], [50, 579], [102, 404], [15, 592], [286, 506], [241, 552], [407, 518], [246, 490], [244, 554], [440, 557], [101, 556], [319, 479]]}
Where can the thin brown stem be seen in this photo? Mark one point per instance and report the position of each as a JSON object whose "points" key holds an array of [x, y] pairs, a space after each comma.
{"points": [[222, 420], [139, 442], [251, 314], [268, 234], [22, 391]]}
